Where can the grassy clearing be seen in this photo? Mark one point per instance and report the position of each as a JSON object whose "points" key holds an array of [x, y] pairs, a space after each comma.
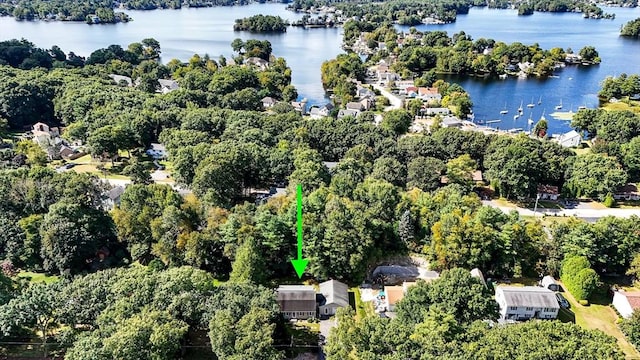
{"points": [[582, 151], [37, 277], [504, 202], [599, 315], [619, 106]]}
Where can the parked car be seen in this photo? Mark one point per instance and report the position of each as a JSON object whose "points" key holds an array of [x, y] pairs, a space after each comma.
{"points": [[562, 301]]}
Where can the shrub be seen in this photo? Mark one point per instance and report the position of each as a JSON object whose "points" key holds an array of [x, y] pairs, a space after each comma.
{"points": [[579, 278], [609, 201]]}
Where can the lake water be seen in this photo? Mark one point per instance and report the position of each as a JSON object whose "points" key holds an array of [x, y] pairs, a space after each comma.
{"points": [[210, 30], [184, 32]]}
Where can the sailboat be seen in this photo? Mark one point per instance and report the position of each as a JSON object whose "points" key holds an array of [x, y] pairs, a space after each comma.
{"points": [[582, 107], [542, 117], [558, 107], [520, 108], [530, 121], [515, 117], [531, 104], [504, 111], [540, 100]]}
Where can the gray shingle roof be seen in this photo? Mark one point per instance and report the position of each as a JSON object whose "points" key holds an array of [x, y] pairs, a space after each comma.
{"points": [[335, 292], [529, 296]]}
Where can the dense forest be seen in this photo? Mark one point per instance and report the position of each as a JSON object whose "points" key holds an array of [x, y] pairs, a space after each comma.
{"points": [[420, 52], [261, 24], [141, 280], [67, 10], [412, 12]]}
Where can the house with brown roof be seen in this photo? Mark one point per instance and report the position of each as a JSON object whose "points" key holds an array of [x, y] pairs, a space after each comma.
{"points": [[429, 94], [626, 302], [627, 192], [548, 192], [393, 295]]}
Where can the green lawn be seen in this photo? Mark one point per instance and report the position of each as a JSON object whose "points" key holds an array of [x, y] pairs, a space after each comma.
{"points": [[623, 106], [37, 277], [362, 309], [602, 317]]}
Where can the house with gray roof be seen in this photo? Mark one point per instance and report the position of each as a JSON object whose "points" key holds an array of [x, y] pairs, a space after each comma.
{"points": [[168, 85], [527, 302], [334, 295], [348, 112], [297, 301], [570, 139]]}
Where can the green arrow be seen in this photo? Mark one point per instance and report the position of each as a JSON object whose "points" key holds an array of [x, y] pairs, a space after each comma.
{"points": [[299, 264]]}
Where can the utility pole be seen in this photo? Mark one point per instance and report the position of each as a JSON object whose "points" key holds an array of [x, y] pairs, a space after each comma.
{"points": [[536, 206]]}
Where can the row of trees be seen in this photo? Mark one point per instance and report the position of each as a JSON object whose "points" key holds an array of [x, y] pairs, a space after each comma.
{"points": [[146, 313]]}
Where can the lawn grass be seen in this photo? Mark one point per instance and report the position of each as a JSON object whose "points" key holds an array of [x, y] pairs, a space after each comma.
{"points": [[582, 151], [37, 277], [504, 202], [619, 106], [601, 316]]}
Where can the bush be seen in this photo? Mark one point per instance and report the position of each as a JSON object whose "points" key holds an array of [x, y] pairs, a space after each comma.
{"points": [[579, 278], [609, 201]]}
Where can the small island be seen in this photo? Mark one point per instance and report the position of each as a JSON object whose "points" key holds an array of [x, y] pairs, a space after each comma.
{"points": [[261, 24], [631, 29]]}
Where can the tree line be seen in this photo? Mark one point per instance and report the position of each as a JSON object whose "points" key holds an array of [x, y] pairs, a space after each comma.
{"points": [[66, 10]]}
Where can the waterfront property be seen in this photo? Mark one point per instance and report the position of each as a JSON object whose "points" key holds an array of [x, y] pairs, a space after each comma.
{"points": [[569, 139]]}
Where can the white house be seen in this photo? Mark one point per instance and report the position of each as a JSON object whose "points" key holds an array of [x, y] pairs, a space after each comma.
{"points": [[168, 85], [336, 295], [347, 112], [570, 139], [548, 192], [626, 302], [121, 79], [297, 301], [268, 102], [436, 111], [627, 192], [528, 302]]}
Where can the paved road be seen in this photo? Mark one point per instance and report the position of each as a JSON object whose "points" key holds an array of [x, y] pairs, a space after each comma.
{"points": [[579, 212], [396, 102]]}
